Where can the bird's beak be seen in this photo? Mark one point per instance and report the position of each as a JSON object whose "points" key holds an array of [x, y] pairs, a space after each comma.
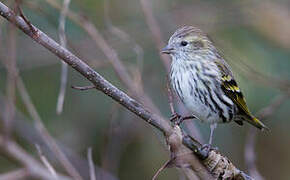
{"points": [[167, 50]]}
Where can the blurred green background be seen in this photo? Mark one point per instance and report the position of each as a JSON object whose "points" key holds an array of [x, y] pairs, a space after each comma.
{"points": [[254, 36]]}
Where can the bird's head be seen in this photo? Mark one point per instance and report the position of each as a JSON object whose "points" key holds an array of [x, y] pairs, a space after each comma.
{"points": [[188, 42]]}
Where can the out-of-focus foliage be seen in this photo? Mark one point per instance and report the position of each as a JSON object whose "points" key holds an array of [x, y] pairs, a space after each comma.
{"points": [[255, 33]]}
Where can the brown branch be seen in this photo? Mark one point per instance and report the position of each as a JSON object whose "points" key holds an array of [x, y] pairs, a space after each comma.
{"points": [[186, 151]]}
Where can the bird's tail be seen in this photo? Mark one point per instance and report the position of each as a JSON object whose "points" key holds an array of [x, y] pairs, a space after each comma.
{"points": [[257, 123]]}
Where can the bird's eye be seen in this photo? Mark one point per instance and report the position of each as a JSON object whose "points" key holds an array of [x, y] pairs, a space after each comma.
{"points": [[184, 43]]}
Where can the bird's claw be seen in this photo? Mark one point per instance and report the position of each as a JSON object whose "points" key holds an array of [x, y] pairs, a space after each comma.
{"points": [[206, 148], [178, 119], [209, 146], [174, 116]]}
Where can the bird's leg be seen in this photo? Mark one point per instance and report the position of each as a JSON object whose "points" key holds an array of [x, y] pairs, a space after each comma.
{"points": [[212, 128], [178, 119], [208, 147]]}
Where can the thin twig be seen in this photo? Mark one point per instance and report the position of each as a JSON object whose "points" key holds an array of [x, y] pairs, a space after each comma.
{"points": [[45, 161], [64, 68], [19, 10], [83, 88], [91, 165], [161, 169]]}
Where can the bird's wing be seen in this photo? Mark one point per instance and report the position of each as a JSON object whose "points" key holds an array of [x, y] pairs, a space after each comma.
{"points": [[231, 89]]}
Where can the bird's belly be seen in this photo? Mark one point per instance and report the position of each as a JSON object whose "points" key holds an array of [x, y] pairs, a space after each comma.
{"points": [[200, 110]]}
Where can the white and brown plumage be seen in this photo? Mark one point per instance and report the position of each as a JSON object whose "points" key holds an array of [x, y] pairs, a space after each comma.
{"points": [[203, 80]]}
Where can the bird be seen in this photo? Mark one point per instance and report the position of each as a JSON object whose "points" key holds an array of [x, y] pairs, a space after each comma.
{"points": [[204, 82]]}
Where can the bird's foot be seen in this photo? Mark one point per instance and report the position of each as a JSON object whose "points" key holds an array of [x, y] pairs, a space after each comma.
{"points": [[178, 119], [174, 117]]}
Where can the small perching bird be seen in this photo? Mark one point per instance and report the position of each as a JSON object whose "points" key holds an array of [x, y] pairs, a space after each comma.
{"points": [[204, 82]]}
